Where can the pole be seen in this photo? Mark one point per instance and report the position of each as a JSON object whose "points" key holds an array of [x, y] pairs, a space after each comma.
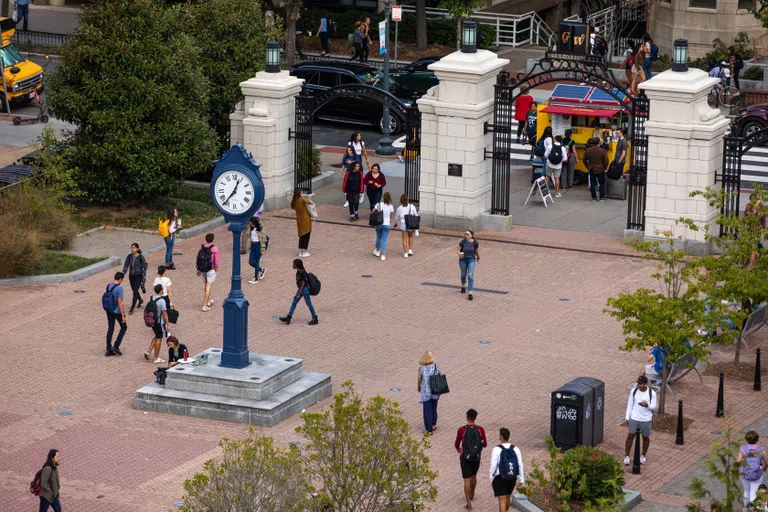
{"points": [[5, 90], [720, 413], [679, 440], [758, 377], [636, 458], [385, 147], [397, 25]]}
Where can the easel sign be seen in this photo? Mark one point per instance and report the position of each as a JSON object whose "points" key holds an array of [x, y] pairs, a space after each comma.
{"points": [[541, 185]]}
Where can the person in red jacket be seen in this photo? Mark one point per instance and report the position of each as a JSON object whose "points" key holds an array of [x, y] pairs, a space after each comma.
{"points": [[522, 106], [353, 186], [375, 181]]}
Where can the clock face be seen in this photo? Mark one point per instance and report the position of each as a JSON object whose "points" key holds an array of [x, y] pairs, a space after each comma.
{"points": [[233, 192]]}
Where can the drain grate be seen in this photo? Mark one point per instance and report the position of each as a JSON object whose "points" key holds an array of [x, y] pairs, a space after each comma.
{"points": [[485, 342], [396, 390]]}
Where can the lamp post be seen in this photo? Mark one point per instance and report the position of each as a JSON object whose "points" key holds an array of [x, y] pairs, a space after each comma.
{"points": [[680, 56], [385, 147], [468, 36], [273, 57]]}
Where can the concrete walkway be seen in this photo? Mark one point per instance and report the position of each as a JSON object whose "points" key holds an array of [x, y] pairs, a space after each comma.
{"points": [[111, 242]]}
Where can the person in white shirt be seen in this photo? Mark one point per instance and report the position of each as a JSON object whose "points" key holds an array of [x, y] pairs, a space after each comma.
{"points": [[165, 282], [382, 230], [554, 156], [404, 209], [503, 487], [639, 416]]}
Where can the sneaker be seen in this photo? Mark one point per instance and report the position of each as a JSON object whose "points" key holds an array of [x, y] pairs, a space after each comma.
{"points": [[626, 460], [314, 321], [357, 217], [376, 252], [383, 257], [117, 351], [642, 459], [253, 281], [130, 311], [351, 218], [558, 195], [463, 290], [405, 255], [594, 200], [210, 302], [305, 255], [286, 319], [108, 353], [261, 273], [602, 200], [346, 204], [410, 252], [206, 308], [159, 361], [470, 296], [146, 356], [170, 267]]}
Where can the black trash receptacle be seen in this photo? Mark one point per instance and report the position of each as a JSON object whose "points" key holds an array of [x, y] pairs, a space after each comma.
{"points": [[598, 410], [571, 417]]}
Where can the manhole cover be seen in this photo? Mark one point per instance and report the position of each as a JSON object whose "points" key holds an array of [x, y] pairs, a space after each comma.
{"points": [[66, 413], [79, 291], [396, 390], [715, 433], [366, 276], [564, 300], [485, 342]]}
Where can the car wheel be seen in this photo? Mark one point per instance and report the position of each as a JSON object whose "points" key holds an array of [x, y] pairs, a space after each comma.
{"points": [[751, 128], [395, 124]]}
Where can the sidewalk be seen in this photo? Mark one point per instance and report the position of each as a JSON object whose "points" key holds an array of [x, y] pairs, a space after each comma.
{"points": [[49, 18]]}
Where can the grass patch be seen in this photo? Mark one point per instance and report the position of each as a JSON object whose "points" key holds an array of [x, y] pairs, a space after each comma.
{"points": [[194, 205], [58, 263]]}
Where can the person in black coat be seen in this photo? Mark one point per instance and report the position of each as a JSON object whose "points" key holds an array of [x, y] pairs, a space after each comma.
{"points": [[135, 267], [737, 64], [300, 30]]}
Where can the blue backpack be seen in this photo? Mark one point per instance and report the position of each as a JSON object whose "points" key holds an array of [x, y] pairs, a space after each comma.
{"points": [[509, 469], [654, 53], [108, 299]]}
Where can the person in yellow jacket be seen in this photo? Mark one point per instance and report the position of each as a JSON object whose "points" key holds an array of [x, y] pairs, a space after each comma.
{"points": [[168, 227]]}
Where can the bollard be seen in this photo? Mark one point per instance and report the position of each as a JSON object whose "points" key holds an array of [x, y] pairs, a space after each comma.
{"points": [[636, 459], [679, 440], [720, 407], [758, 377]]}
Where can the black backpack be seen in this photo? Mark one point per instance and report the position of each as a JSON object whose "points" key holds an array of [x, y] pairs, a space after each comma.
{"points": [[538, 149], [509, 468], [151, 314], [205, 258], [601, 46], [650, 394], [472, 444], [556, 154], [314, 284]]}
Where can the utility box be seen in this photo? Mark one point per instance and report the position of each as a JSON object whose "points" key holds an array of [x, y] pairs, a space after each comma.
{"points": [[571, 417], [598, 411]]}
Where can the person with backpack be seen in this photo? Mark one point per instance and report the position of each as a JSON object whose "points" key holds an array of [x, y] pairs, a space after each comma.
{"points": [[259, 246], [755, 462], [569, 166], [168, 227], [651, 52], [596, 162], [46, 483], [167, 285], [406, 227], [207, 264], [112, 301], [469, 257], [428, 399], [639, 417], [531, 119], [156, 317], [136, 267], [736, 63], [307, 284], [353, 186], [554, 156], [382, 230], [506, 469], [470, 441]]}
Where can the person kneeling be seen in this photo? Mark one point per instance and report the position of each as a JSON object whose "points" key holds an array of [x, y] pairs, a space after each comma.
{"points": [[176, 351]]}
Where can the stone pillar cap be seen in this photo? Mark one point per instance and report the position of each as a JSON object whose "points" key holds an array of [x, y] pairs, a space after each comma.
{"points": [[478, 63], [691, 82]]}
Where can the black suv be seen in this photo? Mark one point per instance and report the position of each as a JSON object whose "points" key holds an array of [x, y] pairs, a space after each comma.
{"points": [[322, 75]]}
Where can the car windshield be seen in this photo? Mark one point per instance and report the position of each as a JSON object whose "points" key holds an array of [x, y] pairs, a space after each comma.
{"points": [[10, 55]]}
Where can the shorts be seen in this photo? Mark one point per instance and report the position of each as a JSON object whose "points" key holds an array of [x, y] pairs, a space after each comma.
{"points": [[554, 171], [160, 330], [644, 427], [650, 370], [468, 468], [210, 276], [503, 487]]}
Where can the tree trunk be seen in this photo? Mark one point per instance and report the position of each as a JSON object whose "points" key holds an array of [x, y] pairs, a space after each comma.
{"points": [[291, 11], [661, 401], [458, 32], [421, 24], [747, 308]]}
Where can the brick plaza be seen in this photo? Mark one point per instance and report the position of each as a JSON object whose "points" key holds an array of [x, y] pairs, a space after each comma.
{"points": [[59, 391]]}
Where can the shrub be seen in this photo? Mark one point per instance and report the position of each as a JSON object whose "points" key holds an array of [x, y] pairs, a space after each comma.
{"points": [[753, 73], [42, 211], [20, 252], [664, 63]]}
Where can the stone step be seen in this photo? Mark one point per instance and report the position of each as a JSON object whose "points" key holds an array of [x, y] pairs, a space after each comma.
{"points": [[290, 400]]}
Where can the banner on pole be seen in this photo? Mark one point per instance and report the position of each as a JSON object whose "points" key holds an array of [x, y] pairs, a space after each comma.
{"points": [[382, 37]]}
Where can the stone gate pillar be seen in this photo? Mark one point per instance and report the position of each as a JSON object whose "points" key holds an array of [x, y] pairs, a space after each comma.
{"points": [[685, 150], [261, 122], [452, 117]]}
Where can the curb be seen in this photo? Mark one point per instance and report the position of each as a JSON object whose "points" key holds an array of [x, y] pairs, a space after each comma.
{"points": [[199, 229], [75, 275], [631, 500]]}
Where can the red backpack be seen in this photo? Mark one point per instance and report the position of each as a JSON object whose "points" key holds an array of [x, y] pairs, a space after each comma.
{"points": [[34, 486]]}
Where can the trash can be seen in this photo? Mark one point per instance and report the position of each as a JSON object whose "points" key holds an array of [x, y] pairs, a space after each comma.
{"points": [[571, 417], [598, 411]]}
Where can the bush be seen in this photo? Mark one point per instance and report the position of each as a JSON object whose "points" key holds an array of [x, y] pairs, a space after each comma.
{"points": [[20, 252], [664, 63], [753, 73]]}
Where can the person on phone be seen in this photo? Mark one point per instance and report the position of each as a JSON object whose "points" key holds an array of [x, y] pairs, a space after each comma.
{"points": [[176, 351], [136, 267], [469, 257], [116, 314], [639, 417]]}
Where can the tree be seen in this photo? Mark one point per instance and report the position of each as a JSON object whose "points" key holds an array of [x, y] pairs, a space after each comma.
{"points": [[724, 469], [131, 83], [291, 13], [671, 317], [364, 458], [736, 276], [252, 475], [421, 24], [461, 9]]}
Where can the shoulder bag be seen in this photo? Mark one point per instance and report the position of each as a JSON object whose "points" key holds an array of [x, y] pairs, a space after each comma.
{"points": [[412, 221], [377, 217], [438, 383], [312, 209]]}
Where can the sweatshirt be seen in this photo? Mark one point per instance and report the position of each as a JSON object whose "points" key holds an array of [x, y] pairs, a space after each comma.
{"points": [[370, 181], [637, 412], [353, 183]]}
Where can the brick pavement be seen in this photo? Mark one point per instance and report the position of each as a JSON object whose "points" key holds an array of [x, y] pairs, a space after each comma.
{"points": [[371, 330]]}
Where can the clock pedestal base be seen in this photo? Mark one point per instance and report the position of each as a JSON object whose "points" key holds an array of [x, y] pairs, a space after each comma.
{"points": [[268, 391]]}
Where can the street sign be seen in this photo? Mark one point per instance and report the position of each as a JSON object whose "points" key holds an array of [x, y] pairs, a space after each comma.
{"points": [[397, 13]]}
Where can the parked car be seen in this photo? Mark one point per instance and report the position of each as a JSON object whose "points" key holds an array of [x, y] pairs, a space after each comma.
{"points": [[414, 80], [322, 75], [750, 120]]}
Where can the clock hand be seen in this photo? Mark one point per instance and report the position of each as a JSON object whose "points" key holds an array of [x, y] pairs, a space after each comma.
{"points": [[234, 190]]}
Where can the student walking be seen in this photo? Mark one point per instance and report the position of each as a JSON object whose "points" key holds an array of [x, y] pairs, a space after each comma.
{"points": [[352, 186], [49, 483], [358, 145], [506, 470], [522, 107], [300, 205], [300, 30], [357, 41], [639, 416], [22, 9], [755, 462], [303, 289], [469, 257], [569, 166], [259, 246], [207, 264], [366, 29], [322, 32], [650, 53], [136, 267], [638, 73], [375, 181], [382, 230], [555, 155], [156, 317], [404, 209], [168, 227], [113, 303], [167, 285], [428, 368], [469, 443], [347, 163], [596, 161]]}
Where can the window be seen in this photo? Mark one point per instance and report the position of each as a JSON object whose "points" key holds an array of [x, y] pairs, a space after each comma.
{"points": [[746, 4], [704, 4], [345, 79]]}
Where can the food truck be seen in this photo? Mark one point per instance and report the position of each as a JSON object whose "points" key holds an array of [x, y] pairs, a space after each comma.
{"points": [[588, 112]]}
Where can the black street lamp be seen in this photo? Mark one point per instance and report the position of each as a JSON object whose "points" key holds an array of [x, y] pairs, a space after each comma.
{"points": [[680, 56], [273, 57], [385, 147], [468, 36]]}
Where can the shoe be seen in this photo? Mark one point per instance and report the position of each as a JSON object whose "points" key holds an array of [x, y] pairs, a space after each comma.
{"points": [[351, 218], [346, 204], [558, 195], [253, 281], [602, 200], [376, 252], [410, 252], [108, 353], [357, 217], [594, 200], [626, 460], [314, 321], [206, 308], [405, 255], [642, 459], [470, 296], [463, 290], [261, 273], [116, 351], [286, 319], [146, 356], [210, 302], [130, 311], [170, 267], [383, 257], [159, 361], [140, 305], [305, 255]]}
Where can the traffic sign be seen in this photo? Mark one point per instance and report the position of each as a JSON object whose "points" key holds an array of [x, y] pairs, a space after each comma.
{"points": [[397, 13]]}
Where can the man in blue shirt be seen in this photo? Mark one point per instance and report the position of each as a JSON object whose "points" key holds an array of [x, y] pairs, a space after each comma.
{"points": [[117, 315], [22, 7], [656, 356]]}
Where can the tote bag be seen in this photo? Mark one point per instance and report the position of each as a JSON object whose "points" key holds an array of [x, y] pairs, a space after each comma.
{"points": [[412, 221], [438, 383]]}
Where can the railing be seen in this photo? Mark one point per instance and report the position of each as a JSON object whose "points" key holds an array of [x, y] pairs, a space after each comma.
{"points": [[753, 97], [35, 38]]}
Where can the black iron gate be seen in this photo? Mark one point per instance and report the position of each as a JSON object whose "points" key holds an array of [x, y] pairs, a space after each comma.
{"points": [[638, 168], [503, 114], [730, 176], [412, 156], [302, 175]]}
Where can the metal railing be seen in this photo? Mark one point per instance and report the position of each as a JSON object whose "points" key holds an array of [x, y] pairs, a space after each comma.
{"points": [[35, 38]]}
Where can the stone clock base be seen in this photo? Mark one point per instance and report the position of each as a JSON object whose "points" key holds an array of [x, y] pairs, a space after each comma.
{"points": [[266, 392]]}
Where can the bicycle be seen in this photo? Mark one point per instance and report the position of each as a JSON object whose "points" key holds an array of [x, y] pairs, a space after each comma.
{"points": [[724, 95]]}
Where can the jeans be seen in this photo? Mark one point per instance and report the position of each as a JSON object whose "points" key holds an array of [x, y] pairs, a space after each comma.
{"points": [[255, 258], [23, 13], [647, 68], [298, 47], [532, 142], [111, 319], [374, 196], [467, 267], [44, 503], [364, 55], [382, 235], [597, 179], [430, 414], [170, 240], [358, 52], [324, 41], [569, 169], [750, 489], [136, 280], [354, 203], [305, 294]]}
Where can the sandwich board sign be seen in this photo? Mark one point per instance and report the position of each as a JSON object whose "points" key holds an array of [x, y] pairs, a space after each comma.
{"points": [[541, 185]]}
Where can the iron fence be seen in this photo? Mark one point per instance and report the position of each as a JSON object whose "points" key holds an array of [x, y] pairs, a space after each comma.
{"points": [[35, 38]]}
